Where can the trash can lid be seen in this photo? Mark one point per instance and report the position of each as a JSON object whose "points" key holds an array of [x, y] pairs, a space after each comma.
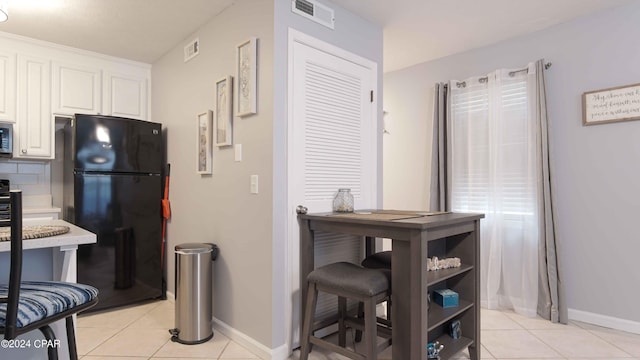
{"points": [[195, 248]]}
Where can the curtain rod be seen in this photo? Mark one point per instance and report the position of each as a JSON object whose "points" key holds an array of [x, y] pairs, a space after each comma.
{"points": [[511, 73]]}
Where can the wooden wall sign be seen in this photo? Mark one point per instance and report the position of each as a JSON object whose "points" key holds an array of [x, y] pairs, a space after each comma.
{"points": [[620, 103]]}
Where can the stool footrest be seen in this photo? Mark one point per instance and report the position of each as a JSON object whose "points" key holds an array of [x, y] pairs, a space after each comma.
{"points": [[335, 348], [358, 324]]}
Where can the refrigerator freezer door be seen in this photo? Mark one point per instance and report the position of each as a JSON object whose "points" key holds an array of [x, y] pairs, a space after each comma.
{"points": [[124, 212], [112, 144]]}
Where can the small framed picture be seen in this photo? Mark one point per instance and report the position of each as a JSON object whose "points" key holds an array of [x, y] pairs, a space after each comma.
{"points": [[224, 112], [203, 142], [246, 73]]}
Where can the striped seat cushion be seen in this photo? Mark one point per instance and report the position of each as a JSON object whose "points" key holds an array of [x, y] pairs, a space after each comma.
{"points": [[41, 299]]}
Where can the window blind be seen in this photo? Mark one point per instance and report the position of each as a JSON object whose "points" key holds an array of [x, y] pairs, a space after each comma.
{"points": [[492, 166]]}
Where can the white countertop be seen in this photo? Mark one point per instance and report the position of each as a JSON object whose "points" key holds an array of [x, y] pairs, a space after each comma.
{"points": [[75, 236], [41, 210]]}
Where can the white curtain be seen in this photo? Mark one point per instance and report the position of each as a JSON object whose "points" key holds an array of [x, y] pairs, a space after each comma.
{"points": [[492, 132]]}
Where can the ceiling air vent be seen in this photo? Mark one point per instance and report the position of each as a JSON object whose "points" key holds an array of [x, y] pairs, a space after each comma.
{"points": [[315, 11], [191, 49]]}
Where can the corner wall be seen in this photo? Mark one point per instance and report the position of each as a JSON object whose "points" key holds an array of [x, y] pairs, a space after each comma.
{"points": [[218, 208], [595, 167]]}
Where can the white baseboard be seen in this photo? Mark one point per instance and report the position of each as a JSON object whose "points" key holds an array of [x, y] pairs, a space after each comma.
{"points": [[605, 321], [263, 352], [280, 353]]}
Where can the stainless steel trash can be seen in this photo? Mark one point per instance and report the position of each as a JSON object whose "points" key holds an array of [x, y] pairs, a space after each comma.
{"points": [[194, 292]]}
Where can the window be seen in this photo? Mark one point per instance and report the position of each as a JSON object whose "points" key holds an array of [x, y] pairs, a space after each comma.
{"points": [[493, 167]]}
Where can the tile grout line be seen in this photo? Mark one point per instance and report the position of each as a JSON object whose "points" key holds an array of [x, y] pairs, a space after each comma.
{"points": [[484, 347], [159, 348], [121, 330], [95, 347], [609, 342], [591, 333], [549, 345], [224, 349], [157, 305]]}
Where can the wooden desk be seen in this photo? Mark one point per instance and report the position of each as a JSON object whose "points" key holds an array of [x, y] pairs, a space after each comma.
{"points": [[414, 238]]}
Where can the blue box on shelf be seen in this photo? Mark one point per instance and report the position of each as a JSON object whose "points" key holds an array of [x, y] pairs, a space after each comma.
{"points": [[445, 298]]}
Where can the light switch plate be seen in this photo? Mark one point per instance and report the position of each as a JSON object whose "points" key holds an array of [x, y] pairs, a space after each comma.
{"points": [[254, 184], [238, 152]]}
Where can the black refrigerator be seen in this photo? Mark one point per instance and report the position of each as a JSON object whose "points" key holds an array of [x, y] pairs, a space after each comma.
{"points": [[113, 187]]}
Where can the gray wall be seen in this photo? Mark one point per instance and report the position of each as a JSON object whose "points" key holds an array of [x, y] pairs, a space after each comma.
{"points": [[250, 279], [596, 167], [218, 208], [351, 33]]}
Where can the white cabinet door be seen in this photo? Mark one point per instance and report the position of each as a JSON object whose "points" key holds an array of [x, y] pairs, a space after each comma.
{"points": [[7, 87], [76, 89], [125, 95], [34, 131]]}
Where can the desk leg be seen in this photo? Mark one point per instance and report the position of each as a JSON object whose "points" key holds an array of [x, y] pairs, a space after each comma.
{"points": [[409, 289], [474, 350], [369, 246], [307, 263]]}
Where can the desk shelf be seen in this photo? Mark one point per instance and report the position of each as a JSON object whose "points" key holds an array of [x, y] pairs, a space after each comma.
{"points": [[464, 281], [453, 346], [436, 276], [439, 315]]}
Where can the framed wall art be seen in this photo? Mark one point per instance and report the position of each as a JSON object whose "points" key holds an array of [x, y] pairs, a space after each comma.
{"points": [[246, 73], [224, 112], [203, 142], [615, 104]]}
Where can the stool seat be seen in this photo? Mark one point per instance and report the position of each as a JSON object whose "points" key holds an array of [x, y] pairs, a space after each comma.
{"points": [[346, 281], [379, 260], [350, 277]]}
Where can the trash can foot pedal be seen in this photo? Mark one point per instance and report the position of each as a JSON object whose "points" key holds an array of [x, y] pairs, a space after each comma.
{"points": [[174, 337]]}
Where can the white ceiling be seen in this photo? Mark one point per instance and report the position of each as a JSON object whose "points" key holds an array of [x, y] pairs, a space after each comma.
{"points": [[414, 30], [419, 30], [141, 30]]}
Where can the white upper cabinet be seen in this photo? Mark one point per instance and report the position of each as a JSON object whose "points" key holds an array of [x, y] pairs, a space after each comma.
{"points": [[39, 80], [34, 132], [125, 95], [7, 87], [76, 89]]}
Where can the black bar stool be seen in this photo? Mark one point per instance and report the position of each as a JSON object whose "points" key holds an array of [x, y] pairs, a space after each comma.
{"points": [[381, 261], [347, 280]]}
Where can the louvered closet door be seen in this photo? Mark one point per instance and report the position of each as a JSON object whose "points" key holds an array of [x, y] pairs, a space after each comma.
{"points": [[332, 146]]}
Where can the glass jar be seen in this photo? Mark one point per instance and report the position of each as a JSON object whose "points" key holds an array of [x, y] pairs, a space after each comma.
{"points": [[343, 201]]}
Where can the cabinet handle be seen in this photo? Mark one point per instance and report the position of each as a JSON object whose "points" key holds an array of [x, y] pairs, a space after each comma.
{"points": [[24, 151]]}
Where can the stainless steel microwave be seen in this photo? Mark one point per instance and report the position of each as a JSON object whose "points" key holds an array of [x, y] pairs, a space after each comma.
{"points": [[6, 140]]}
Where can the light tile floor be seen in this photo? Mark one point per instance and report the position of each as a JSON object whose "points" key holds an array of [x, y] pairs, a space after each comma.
{"points": [[141, 332]]}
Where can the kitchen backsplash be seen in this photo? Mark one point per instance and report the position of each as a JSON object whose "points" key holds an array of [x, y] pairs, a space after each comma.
{"points": [[32, 177]]}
